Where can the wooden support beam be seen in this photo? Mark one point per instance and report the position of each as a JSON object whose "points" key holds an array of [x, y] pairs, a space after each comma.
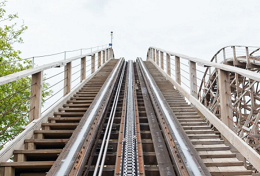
{"points": [[9, 171], [161, 57], [225, 99], [93, 63], [193, 79], [110, 53], [177, 70], [248, 64], [67, 78], [168, 61], [154, 55], [83, 69], [235, 62], [36, 94], [103, 55], [99, 59], [157, 57], [106, 54]]}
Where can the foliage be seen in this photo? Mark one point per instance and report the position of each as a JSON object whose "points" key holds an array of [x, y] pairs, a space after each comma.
{"points": [[15, 96]]}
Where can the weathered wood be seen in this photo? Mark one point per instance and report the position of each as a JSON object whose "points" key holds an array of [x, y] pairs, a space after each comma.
{"points": [[162, 59], [67, 78], [9, 171], [36, 94], [168, 61], [153, 55], [93, 65], [157, 57], [104, 56], [83, 69], [250, 154], [177, 70], [15, 76], [246, 73], [193, 79], [225, 99], [99, 59]]}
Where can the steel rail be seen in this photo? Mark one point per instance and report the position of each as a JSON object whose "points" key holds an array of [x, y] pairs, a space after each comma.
{"points": [[130, 161], [107, 134], [192, 163], [67, 162]]}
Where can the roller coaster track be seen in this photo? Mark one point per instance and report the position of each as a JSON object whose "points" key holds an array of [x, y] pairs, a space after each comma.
{"points": [[169, 115]]}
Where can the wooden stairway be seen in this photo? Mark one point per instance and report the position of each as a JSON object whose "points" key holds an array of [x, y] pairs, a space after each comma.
{"points": [[215, 154], [39, 153]]}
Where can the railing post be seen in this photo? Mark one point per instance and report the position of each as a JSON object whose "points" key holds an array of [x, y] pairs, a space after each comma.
{"points": [[168, 61], [83, 69], [161, 56], [99, 59], [104, 58], [193, 79], [248, 64], [224, 55], [93, 63], [235, 62], [106, 54], [154, 55], [178, 70], [157, 57], [36, 94], [225, 99], [67, 78], [150, 57], [110, 54]]}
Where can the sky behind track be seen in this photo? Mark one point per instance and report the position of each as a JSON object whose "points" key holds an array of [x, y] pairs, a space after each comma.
{"points": [[192, 27]]}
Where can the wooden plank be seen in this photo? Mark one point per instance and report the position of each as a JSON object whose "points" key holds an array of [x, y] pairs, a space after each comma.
{"points": [[193, 79], [178, 70], [36, 94], [225, 99], [15, 76], [25, 165], [93, 65], [247, 73], [250, 154], [83, 69], [67, 79]]}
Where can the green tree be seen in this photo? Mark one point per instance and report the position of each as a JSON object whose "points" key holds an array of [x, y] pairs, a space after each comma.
{"points": [[15, 96]]}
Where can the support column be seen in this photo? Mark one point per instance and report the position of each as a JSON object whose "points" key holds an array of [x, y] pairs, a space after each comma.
{"points": [[83, 69], [67, 78], [104, 58], [99, 59], [225, 99], [161, 57], [193, 79], [36, 94], [168, 61], [178, 70], [93, 63]]}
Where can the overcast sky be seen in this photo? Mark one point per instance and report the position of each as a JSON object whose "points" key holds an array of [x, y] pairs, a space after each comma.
{"points": [[192, 27]]}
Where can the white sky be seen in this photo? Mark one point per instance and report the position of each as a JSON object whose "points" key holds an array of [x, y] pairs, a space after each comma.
{"points": [[193, 27]]}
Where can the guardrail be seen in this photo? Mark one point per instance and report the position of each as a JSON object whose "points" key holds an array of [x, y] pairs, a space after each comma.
{"points": [[66, 77], [186, 73]]}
